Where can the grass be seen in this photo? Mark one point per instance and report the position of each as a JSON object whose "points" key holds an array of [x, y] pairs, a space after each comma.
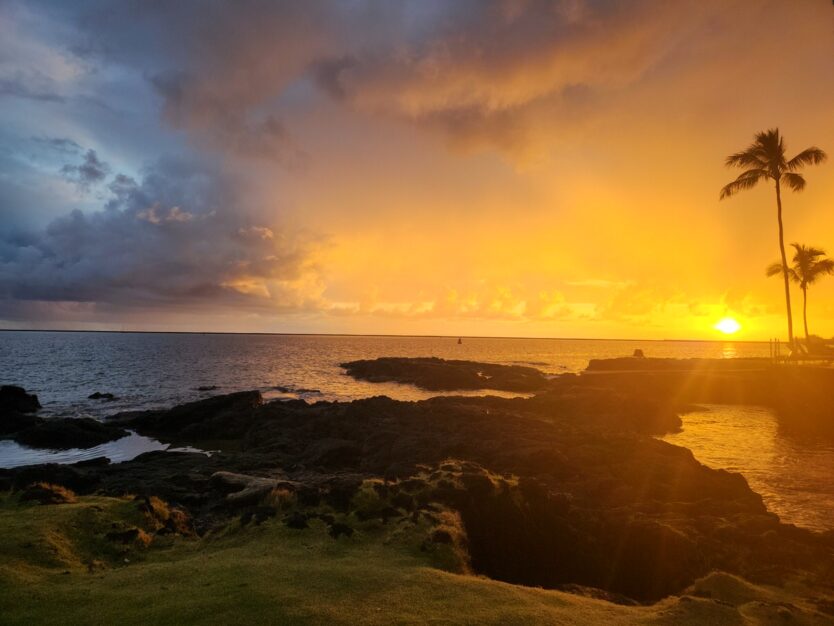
{"points": [[56, 567]]}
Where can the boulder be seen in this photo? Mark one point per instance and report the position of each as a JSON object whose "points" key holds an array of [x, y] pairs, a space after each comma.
{"points": [[101, 396], [13, 421], [218, 417], [14, 398], [66, 433]]}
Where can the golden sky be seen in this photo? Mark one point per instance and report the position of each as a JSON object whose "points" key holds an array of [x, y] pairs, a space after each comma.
{"points": [[474, 168]]}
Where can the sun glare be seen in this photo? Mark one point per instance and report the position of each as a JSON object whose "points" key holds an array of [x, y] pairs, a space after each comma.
{"points": [[728, 326]]}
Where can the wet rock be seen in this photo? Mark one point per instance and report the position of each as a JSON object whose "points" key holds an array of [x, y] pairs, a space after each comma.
{"points": [[101, 396], [218, 417], [66, 433], [13, 421], [14, 398]]}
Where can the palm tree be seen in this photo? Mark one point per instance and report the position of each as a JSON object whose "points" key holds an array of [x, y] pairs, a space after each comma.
{"points": [[806, 269], [764, 160]]}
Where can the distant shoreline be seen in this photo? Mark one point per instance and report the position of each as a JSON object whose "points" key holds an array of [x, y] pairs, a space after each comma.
{"points": [[214, 332]]}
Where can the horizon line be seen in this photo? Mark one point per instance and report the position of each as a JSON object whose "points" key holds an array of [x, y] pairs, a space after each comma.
{"points": [[437, 336]]}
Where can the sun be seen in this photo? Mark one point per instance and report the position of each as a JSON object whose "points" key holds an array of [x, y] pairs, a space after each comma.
{"points": [[728, 326]]}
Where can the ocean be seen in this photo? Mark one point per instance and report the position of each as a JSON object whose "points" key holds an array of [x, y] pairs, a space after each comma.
{"points": [[152, 370]]}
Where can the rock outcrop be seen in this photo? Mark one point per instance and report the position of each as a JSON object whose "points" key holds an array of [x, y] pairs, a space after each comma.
{"points": [[436, 374], [58, 433], [15, 399]]}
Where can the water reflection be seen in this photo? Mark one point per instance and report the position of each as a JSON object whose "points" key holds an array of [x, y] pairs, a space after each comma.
{"points": [[793, 476], [12, 454]]}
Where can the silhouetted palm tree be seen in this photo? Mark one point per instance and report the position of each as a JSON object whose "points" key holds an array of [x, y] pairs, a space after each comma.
{"points": [[765, 160], [806, 269]]}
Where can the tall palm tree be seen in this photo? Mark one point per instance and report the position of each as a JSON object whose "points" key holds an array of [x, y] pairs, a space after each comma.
{"points": [[806, 269], [764, 160]]}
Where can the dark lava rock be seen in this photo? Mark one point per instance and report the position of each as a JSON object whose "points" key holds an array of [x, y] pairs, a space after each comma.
{"points": [[12, 422], [66, 433], [78, 479], [217, 417], [14, 398], [46, 493], [441, 375], [334, 453], [101, 396]]}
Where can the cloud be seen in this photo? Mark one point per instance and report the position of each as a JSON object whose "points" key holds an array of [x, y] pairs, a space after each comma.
{"points": [[480, 72], [28, 88], [177, 237], [222, 125], [63, 145], [90, 171]]}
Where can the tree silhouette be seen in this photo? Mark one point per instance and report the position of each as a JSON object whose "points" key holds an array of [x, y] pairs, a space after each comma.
{"points": [[807, 268], [764, 160]]}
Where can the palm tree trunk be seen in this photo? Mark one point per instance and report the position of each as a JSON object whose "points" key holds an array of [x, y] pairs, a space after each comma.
{"points": [[805, 315], [784, 262]]}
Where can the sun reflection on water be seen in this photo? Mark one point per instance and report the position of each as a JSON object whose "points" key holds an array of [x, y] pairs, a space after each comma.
{"points": [[792, 476]]}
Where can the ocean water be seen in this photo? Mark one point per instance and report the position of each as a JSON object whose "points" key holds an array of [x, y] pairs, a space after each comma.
{"points": [[794, 476], [151, 370]]}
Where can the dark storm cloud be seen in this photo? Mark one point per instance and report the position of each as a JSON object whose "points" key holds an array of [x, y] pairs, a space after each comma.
{"points": [[475, 70], [90, 171], [176, 236]]}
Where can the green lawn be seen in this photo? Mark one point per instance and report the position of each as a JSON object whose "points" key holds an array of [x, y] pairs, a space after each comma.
{"points": [[270, 574]]}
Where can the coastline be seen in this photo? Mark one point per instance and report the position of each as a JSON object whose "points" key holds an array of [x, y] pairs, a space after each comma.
{"points": [[567, 490]]}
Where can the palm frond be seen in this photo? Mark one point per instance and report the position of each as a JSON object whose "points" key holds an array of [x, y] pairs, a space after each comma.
{"points": [[752, 157], [807, 265], [819, 269], [745, 180], [826, 266], [773, 148], [796, 182], [773, 269], [809, 252], [809, 156]]}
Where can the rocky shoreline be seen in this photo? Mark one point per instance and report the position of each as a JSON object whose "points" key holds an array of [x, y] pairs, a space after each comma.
{"points": [[565, 489]]}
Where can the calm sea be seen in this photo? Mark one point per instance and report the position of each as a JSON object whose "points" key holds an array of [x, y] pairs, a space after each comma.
{"points": [[160, 370]]}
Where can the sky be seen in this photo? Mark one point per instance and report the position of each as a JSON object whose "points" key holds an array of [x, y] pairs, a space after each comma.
{"points": [[477, 167]]}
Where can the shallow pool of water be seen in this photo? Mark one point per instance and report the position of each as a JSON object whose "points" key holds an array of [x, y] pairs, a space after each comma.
{"points": [[795, 477], [12, 454]]}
